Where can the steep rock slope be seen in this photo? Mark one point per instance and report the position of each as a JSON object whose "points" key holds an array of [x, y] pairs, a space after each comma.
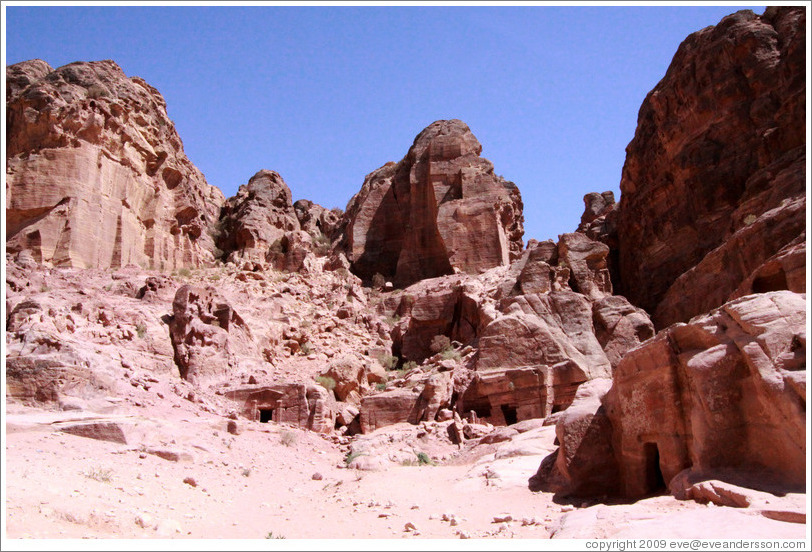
{"points": [[713, 184], [441, 208], [96, 173]]}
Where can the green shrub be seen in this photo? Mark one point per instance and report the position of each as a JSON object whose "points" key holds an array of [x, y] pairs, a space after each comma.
{"points": [[270, 535], [424, 460], [306, 348], [380, 386], [141, 330], [184, 272], [321, 245], [352, 455], [450, 354], [327, 382], [409, 366]]}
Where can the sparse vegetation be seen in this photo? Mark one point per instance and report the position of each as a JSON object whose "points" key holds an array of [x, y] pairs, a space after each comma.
{"points": [[246, 472], [388, 361], [409, 366], [380, 386], [391, 320], [321, 245], [102, 475], [423, 459], [44, 288], [306, 348], [440, 343], [184, 272], [288, 438], [270, 535], [141, 330], [352, 455], [327, 382], [96, 91]]}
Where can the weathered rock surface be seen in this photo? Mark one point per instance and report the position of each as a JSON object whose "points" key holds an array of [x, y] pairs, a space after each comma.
{"points": [[725, 392], [258, 216], [206, 333], [714, 183], [543, 328], [441, 208], [96, 173]]}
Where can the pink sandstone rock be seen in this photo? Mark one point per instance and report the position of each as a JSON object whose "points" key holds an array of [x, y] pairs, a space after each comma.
{"points": [[97, 176], [440, 209]]}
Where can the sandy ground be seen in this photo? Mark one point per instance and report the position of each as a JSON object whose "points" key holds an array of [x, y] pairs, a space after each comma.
{"points": [[274, 481]]}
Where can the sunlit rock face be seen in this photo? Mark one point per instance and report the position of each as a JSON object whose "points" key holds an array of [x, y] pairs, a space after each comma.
{"points": [[96, 173], [440, 209], [713, 187]]}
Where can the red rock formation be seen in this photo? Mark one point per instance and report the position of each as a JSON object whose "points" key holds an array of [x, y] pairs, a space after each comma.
{"points": [[714, 183], [723, 394], [441, 208], [256, 218], [97, 176], [206, 333], [543, 329]]}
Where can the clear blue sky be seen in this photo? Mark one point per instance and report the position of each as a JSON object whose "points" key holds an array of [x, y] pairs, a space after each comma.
{"points": [[325, 95]]}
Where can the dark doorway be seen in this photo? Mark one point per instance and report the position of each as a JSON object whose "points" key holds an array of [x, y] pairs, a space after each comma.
{"points": [[509, 412], [655, 483], [265, 415]]}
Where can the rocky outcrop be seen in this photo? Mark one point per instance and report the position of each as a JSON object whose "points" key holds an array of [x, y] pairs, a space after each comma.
{"points": [[543, 329], [256, 218], [440, 209], [96, 173], [316, 220], [714, 181], [724, 393], [206, 334]]}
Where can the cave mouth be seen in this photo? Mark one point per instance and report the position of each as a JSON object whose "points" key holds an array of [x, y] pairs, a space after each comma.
{"points": [[655, 482], [265, 415], [776, 281]]}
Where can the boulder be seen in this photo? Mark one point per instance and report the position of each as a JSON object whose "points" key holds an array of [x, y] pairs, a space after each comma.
{"points": [[97, 176], [587, 261], [543, 329], [388, 408]]}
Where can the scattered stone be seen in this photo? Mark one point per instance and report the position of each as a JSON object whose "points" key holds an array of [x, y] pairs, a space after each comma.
{"points": [[190, 481]]}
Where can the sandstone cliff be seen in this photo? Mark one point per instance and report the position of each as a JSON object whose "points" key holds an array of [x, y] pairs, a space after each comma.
{"points": [[96, 173], [440, 209], [713, 187]]}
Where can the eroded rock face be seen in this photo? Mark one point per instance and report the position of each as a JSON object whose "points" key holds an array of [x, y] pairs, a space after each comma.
{"points": [[714, 184], [543, 328], [97, 176], [257, 218], [441, 208], [206, 333], [726, 392]]}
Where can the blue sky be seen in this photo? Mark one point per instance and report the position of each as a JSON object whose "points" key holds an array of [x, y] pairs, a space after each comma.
{"points": [[325, 95]]}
